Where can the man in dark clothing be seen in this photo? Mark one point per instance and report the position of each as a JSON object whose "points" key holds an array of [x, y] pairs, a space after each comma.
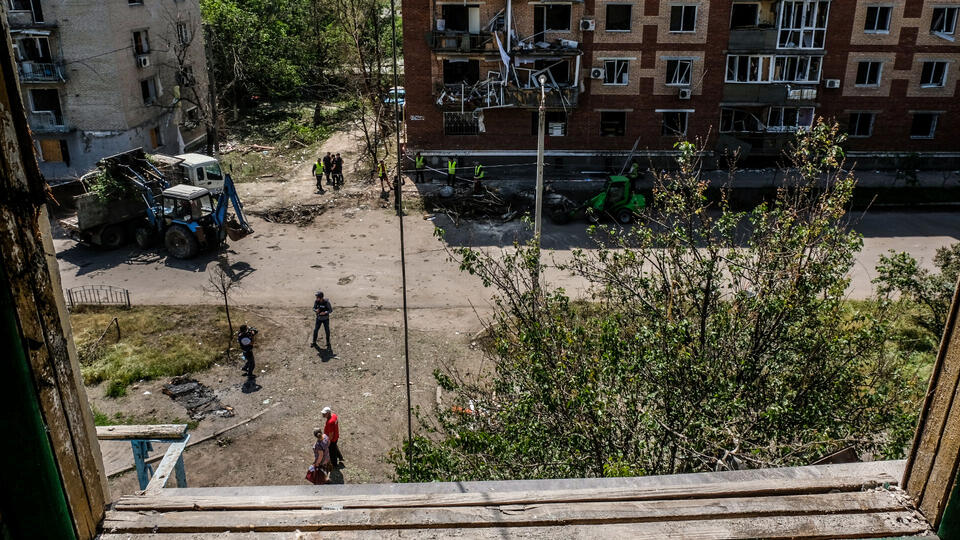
{"points": [[327, 164], [338, 171], [398, 182], [245, 339], [322, 309]]}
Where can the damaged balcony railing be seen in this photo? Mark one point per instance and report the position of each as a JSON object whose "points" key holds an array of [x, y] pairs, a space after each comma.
{"points": [[465, 42], [41, 71], [491, 93]]}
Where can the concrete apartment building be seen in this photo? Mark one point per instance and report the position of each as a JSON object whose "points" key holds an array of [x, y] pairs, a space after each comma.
{"points": [[101, 77], [740, 74]]}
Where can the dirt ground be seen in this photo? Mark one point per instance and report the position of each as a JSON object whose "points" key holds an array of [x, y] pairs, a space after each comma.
{"points": [[352, 253]]}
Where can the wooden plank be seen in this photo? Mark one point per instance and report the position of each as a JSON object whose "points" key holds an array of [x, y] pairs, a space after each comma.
{"points": [[165, 469], [318, 498], [146, 432], [812, 526], [937, 436]]}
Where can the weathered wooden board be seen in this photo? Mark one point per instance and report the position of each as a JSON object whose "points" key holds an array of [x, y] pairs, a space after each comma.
{"points": [[503, 516], [819, 526], [151, 432], [165, 469]]}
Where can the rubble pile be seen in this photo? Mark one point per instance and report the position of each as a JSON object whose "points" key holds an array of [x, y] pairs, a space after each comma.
{"points": [[199, 400], [484, 205], [298, 214]]}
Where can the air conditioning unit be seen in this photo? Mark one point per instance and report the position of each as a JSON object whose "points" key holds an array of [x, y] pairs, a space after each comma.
{"points": [[596, 73], [833, 83], [143, 61], [588, 25], [684, 93]]}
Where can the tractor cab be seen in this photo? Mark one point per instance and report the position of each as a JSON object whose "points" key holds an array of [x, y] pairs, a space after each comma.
{"points": [[186, 204], [618, 199]]}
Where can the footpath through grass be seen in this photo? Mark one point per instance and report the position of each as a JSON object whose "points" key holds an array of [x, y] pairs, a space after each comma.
{"points": [[155, 342]]}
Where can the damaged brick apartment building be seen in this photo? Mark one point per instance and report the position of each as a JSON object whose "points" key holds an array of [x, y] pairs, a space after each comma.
{"points": [[641, 74]]}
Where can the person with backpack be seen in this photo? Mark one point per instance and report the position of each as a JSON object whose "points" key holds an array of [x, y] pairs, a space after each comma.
{"points": [[245, 339]]}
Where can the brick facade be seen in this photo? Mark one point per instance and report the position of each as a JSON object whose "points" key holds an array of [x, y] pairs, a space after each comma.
{"points": [[649, 45]]}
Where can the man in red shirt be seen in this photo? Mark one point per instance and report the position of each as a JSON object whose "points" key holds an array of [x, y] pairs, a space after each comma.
{"points": [[332, 430]]}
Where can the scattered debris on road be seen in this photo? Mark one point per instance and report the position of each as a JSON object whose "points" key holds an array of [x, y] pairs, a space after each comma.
{"points": [[487, 204], [199, 400], [298, 214]]}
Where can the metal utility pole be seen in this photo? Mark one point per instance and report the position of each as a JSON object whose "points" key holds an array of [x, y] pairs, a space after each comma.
{"points": [[541, 119]]}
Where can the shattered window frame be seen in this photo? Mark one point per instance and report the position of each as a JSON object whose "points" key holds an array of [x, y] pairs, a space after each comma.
{"points": [[734, 120], [789, 119], [943, 21], [933, 73], [802, 24], [629, 17], [616, 72], [797, 69], [551, 13], [674, 123], [921, 118], [613, 123], [679, 71]]}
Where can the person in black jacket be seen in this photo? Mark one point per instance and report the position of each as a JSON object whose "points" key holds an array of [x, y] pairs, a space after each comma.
{"points": [[245, 339], [322, 309]]}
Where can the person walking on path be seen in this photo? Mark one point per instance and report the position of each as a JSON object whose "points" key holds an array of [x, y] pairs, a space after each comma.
{"points": [[327, 167], [419, 163], [245, 339], [322, 309], [318, 172], [451, 171], [382, 175], [332, 430], [337, 172], [321, 456], [398, 182]]}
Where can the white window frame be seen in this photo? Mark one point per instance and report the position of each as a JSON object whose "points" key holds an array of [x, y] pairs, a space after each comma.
{"points": [[869, 84], [806, 32], [943, 75], [625, 72], [949, 27], [886, 26], [606, 19], [873, 118], [12, 7], [781, 128], [933, 126], [683, 8], [800, 60], [763, 76], [686, 121], [680, 60]]}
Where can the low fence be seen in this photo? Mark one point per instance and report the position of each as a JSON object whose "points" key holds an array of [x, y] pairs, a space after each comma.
{"points": [[97, 295]]}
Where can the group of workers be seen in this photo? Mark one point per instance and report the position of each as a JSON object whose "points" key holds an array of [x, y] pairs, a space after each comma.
{"points": [[330, 166]]}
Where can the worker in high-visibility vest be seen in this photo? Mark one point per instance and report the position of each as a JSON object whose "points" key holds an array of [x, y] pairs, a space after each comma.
{"points": [[478, 174], [451, 171], [318, 173], [419, 163]]}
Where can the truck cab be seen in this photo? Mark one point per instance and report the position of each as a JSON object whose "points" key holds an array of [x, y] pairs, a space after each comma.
{"points": [[201, 171]]}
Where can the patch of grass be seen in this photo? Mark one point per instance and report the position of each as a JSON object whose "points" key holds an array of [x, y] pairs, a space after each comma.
{"points": [[156, 341]]}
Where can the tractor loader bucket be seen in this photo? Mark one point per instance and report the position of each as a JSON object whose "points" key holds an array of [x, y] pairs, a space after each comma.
{"points": [[235, 231]]}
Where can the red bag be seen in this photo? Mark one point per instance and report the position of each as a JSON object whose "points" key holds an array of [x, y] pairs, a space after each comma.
{"points": [[315, 476]]}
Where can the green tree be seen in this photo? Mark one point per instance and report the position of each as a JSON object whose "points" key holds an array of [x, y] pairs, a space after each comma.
{"points": [[714, 340], [899, 273]]}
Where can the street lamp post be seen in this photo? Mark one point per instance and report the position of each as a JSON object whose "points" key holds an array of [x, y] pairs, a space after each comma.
{"points": [[538, 215]]}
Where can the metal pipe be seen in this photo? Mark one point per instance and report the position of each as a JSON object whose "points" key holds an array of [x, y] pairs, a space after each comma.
{"points": [[538, 217], [509, 22]]}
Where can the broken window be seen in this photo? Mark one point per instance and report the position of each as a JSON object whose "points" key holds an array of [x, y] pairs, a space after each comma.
{"points": [[191, 117], [683, 18], [798, 69], [616, 72], [461, 18], [933, 74], [803, 24], [33, 49], [861, 124], [141, 43], [679, 72], [789, 118], [744, 15], [148, 90], [457, 70], [47, 100], [738, 121], [613, 123], [455, 123], [674, 124], [185, 77], [748, 69], [868, 73], [555, 123], [878, 20], [550, 18], [560, 71], [944, 22], [618, 17], [54, 151], [924, 125]]}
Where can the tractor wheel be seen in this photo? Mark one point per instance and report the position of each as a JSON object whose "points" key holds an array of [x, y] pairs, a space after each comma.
{"points": [[145, 237], [624, 216], [181, 243], [113, 236]]}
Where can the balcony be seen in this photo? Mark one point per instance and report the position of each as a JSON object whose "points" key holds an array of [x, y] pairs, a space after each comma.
{"points": [[46, 122], [769, 94], [460, 42], [491, 94], [758, 39], [41, 72]]}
